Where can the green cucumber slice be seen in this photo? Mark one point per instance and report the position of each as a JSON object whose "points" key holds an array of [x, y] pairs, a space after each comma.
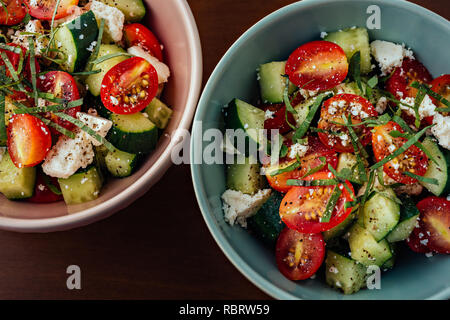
{"points": [[437, 171]]}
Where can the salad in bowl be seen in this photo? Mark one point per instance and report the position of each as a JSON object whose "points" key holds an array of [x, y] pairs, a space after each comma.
{"points": [[79, 96], [345, 156]]}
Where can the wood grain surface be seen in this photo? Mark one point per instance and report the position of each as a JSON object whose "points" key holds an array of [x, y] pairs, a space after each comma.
{"points": [[157, 248]]}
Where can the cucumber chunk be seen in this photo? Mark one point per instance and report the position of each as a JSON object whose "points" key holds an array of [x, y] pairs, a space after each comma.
{"points": [[76, 40], [352, 40], [409, 217], [133, 10], [120, 163], [158, 113], [245, 177], [244, 116], [94, 81], [266, 223], [133, 133], [16, 183], [272, 83], [381, 214], [344, 273], [365, 249], [82, 186], [389, 264], [437, 171]]}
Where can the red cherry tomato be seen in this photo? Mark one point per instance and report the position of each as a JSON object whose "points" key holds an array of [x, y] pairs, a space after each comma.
{"points": [[299, 255], [44, 9], [413, 160], [310, 160], [441, 85], [14, 13], [418, 241], [278, 118], [435, 223], [42, 192], [344, 105], [129, 86], [410, 71], [63, 86], [29, 140], [136, 34], [317, 65], [302, 207]]}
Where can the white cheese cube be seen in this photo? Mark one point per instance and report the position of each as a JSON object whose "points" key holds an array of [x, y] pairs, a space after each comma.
{"points": [[114, 19], [388, 55], [441, 130], [98, 124], [161, 69], [426, 108], [68, 155], [238, 206]]}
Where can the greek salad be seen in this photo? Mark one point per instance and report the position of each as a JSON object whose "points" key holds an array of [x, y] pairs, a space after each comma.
{"points": [[362, 153], [79, 96]]}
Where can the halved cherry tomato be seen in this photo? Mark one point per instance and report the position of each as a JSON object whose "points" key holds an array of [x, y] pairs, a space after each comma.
{"points": [[14, 13], [63, 86], [129, 86], [42, 192], [302, 207], [29, 140], [435, 222], [299, 255], [441, 85], [332, 111], [413, 160], [310, 160], [410, 71], [317, 65], [44, 9], [136, 34]]}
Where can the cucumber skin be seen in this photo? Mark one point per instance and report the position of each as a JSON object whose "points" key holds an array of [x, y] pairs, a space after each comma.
{"points": [[77, 28], [133, 142], [233, 121], [442, 156], [268, 74], [408, 211], [111, 163], [266, 224]]}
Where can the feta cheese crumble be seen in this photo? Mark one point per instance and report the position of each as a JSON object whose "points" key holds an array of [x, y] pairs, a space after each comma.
{"points": [[441, 130], [426, 108], [389, 55], [114, 19], [298, 149], [238, 206]]}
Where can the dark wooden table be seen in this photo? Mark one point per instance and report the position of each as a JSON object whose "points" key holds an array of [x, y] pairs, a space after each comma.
{"points": [[157, 248]]}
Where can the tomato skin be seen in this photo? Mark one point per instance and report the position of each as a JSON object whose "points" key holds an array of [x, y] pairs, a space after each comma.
{"points": [[317, 65], [29, 140], [278, 120], [310, 160], [413, 159], [136, 34], [312, 254], [326, 116], [42, 193], [410, 70], [414, 241], [435, 223], [63, 86], [44, 9], [301, 206], [441, 85], [119, 82], [16, 12]]}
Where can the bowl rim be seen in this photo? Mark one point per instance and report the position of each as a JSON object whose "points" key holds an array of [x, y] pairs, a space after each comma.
{"points": [[151, 176], [244, 268]]}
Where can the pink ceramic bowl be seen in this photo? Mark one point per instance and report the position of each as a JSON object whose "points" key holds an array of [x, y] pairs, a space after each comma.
{"points": [[172, 21]]}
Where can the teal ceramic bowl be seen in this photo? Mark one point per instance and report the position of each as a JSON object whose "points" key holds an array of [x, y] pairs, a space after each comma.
{"points": [[274, 38]]}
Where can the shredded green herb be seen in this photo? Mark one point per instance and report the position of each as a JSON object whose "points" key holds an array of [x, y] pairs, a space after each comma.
{"points": [[331, 204]]}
